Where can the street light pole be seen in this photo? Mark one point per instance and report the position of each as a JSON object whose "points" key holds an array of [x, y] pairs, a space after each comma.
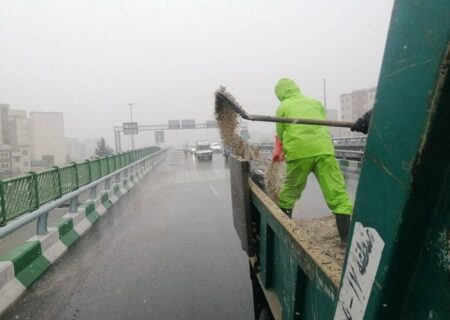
{"points": [[131, 104], [325, 94]]}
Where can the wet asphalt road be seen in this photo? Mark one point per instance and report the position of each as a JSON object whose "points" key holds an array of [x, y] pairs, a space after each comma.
{"points": [[167, 250]]}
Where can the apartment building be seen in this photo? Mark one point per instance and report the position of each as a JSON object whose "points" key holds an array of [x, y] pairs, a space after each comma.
{"points": [[47, 136], [19, 133], [354, 105]]}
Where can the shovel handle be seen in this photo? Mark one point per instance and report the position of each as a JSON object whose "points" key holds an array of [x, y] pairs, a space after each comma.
{"points": [[328, 123]]}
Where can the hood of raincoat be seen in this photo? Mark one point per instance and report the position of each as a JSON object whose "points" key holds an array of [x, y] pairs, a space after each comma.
{"points": [[286, 88]]}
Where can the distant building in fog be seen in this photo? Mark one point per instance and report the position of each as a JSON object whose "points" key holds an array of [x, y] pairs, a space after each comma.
{"points": [[88, 147], [332, 114], [47, 136], [5, 161], [354, 105], [74, 150], [19, 134], [4, 121], [5, 148]]}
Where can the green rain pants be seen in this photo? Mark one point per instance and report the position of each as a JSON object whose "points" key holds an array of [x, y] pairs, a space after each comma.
{"points": [[329, 175]]}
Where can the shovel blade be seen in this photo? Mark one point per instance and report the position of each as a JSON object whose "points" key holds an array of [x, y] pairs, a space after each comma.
{"points": [[224, 99]]}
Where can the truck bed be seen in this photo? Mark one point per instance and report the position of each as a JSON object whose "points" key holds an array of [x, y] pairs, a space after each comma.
{"points": [[317, 237]]}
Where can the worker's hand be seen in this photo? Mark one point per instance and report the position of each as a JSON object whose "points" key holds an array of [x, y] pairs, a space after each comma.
{"points": [[278, 154], [362, 124]]}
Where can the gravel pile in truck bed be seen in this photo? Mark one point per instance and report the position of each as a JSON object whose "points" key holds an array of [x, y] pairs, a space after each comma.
{"points": [[321, 239]]}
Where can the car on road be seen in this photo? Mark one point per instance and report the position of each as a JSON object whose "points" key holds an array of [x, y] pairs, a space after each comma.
{"points": [[203, 150], [216, 147], [192, 148]]}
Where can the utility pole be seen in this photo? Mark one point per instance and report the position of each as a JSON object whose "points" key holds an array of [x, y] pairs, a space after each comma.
{"points": [[131, 104], [325, 94]]}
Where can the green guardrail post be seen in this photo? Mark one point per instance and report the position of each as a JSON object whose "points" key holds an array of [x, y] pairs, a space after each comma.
{"points": [[93, 192], [99, 161], [58, 177], [34, 183], [107, 164], [117, 177], [74, 201], [77, 179], [89, 170], [41, 226], [2, 203]]}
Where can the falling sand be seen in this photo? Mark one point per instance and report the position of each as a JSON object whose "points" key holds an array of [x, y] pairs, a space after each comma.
{"points": [[274, 179], [228, 122]]}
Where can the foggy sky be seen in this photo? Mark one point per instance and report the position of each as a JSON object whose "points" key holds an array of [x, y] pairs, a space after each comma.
{"points": [[88, 58]]}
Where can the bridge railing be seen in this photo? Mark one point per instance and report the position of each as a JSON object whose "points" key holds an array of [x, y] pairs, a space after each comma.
{"points": [[24, 194]]}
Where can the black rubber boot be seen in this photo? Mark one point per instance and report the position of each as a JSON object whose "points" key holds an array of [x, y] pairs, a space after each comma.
{"points": [[287, 211], [343, 225]]}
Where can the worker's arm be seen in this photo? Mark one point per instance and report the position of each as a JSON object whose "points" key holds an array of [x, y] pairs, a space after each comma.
{"points": [[280, 126], [362, 124], [277, 153]]}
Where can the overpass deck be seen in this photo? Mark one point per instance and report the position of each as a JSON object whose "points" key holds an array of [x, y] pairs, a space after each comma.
{"points": [[167, 250]]}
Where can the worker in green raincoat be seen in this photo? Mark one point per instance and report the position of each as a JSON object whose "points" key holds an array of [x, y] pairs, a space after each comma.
{"points": [[309, 148]]}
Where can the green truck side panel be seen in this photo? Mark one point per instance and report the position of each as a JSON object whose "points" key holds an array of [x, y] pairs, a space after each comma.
{"points": [[404, 186], [29, 264], [402, 206], [302, 288]]}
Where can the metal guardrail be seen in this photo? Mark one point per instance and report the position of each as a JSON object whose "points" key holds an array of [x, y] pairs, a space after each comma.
{"points": [[346, 154], [41, 213], [21, 195], [354, 141]]}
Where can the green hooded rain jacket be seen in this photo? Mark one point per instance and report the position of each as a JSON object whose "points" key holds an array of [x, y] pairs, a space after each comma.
{"points": [[301, 141]]}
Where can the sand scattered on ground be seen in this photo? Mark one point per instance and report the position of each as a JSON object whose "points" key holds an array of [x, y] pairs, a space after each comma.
{"points": [[321, 239]]}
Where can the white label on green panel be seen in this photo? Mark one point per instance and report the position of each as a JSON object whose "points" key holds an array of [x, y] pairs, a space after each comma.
{"points": [[362, 265]]}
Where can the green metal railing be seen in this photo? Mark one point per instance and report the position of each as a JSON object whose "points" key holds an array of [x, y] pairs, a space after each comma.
{"points": [[20, 195]]}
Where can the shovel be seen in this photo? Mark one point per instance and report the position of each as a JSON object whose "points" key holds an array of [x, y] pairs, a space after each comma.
{"points": [[225, 100]]}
